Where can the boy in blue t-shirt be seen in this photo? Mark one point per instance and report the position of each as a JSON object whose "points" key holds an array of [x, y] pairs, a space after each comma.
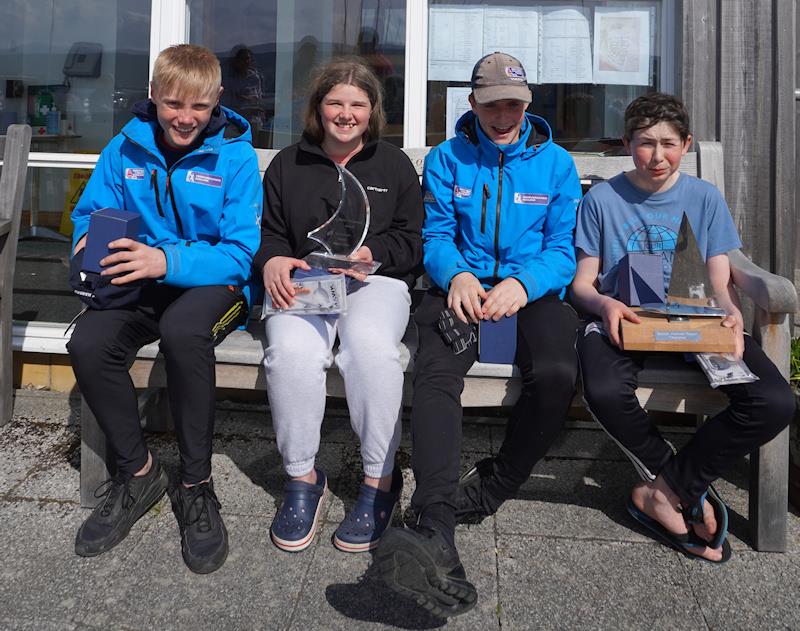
{"points": [[641, 211]]}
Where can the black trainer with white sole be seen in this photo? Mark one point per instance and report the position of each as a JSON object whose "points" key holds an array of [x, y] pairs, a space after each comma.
{"points": [[418, 563]]}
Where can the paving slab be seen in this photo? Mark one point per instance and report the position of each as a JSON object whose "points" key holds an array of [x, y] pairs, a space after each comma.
{"points": [[35, 624], [341, 591], [41, 578], [751, 591], [581, 499], [28, 447], [561, 584], [255, 589], [586, 500], [42, 406], [733, 489]]}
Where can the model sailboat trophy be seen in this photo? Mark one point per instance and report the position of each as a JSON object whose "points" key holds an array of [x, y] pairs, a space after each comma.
{"points": [[688, 319]]}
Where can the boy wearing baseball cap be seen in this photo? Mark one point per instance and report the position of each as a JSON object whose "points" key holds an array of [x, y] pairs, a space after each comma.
{"points": [[500, 205]]}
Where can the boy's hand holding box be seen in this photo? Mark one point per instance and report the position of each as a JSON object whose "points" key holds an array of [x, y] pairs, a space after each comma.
{"points": [[107, 225]]}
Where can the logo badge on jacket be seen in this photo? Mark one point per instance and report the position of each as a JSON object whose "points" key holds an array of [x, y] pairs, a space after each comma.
{"points": [[207, 179], [462, 192], [134, 174], [533, 199]]}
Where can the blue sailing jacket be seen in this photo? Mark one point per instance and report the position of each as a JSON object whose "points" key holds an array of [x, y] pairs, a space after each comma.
{"points": [[501, 211], [204, 212]]}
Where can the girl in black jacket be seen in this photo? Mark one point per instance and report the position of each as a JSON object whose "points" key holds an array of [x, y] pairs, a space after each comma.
{"points": [[343, 121]]}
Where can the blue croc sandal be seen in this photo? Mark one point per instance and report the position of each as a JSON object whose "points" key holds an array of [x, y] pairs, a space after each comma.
{"points": [[296, 521], [682, 543], [363, 527]]}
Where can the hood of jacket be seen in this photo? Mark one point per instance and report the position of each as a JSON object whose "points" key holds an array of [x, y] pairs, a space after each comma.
{"points": [[224, 126], [535, 136]]}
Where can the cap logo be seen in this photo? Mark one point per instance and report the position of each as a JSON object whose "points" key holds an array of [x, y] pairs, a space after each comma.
{"points": [[515, 72]]}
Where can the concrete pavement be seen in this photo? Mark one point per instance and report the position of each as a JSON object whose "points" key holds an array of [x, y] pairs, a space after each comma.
{"points": [[564, 555]]}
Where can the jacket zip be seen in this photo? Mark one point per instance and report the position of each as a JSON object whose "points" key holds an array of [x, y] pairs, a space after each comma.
{"points": [[178, 221], [154, 184], [483, 207], [497, 214]]}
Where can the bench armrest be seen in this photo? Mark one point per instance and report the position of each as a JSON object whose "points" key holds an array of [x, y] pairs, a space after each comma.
{"points": [[770, 292]]}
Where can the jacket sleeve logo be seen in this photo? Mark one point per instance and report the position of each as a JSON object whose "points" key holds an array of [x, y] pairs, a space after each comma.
{"points": [[207, 179]]}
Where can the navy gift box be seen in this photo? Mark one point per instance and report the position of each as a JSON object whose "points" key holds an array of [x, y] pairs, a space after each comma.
{"points": [[497, 341], [107, 225], [641, 279]]}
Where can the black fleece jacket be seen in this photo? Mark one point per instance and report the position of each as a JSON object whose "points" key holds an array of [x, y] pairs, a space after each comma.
{"points": [[301, 192]]}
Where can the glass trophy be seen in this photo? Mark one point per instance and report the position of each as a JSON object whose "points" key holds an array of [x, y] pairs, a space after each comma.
{"points": [[345, 231]]}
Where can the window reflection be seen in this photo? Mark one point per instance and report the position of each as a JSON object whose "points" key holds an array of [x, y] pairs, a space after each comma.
{"points": [[270, 49], [561, 53], [72, 69]]}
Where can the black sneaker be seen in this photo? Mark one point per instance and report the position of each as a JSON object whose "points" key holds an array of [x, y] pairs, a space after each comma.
{"points": [[471, 505], [204, 540], [124, 499], [418, 563]]}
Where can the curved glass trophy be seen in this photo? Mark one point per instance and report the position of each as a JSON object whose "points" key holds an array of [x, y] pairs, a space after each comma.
{"points": [[345, 231]]}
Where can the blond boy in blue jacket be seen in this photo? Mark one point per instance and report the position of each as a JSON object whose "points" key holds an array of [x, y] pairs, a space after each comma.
{"points": [[188, 168]]}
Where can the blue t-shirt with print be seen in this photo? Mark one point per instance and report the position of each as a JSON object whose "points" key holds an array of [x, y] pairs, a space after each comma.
{"points": [[615, 218]]}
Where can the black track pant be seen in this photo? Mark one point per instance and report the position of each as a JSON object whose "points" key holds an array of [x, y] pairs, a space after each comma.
{"points": [[757, 412], [546, 359], [190, 322]]}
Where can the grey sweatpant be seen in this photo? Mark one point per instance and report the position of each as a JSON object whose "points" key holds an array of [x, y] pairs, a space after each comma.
{"points": [[299, 351]]}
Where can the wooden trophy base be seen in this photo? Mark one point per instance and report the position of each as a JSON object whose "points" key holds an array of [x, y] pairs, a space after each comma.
{"points": [[695, 335]]}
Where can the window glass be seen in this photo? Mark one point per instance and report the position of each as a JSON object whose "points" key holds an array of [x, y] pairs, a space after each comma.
{"points": [[269, 49], [72, 69], [585, 61]]}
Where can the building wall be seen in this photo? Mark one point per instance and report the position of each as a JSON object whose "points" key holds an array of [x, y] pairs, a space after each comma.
{"points": [[738, 77]]}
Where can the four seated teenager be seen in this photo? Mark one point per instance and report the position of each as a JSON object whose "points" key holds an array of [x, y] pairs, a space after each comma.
{"points": [[675, 499], [188, 168], [500, 202], [343, 122], [496, 230]]}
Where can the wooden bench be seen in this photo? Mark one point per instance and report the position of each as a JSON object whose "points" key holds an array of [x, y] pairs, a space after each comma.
{"points": [[14, 146], [666, 384]]}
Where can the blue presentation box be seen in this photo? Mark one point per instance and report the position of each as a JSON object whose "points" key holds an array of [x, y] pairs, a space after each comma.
{"points": [[641, 279], [497, 341], [107, 225]]}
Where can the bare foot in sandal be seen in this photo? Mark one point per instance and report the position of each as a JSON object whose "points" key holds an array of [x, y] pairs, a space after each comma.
{"points": [[659, 502]]}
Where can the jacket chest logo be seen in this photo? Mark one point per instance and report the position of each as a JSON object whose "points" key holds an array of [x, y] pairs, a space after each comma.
{"points": [[531, 199], [377, 189], [462, 192], [134, 174], [207, 179]]}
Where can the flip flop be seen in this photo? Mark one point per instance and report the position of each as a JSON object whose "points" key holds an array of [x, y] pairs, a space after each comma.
{"points": [[694, 515], [682, 543]]}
